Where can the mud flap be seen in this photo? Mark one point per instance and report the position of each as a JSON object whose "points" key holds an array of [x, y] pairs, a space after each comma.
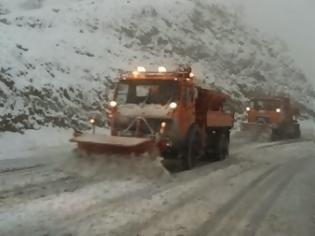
{"points": [[104, 144]]}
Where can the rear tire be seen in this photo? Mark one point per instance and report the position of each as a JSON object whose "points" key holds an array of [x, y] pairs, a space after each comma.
{"points": [[221, 150], [275, 136]]}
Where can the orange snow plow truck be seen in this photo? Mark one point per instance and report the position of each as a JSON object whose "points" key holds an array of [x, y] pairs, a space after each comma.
{"points": [[274, 116], [167, 111]]}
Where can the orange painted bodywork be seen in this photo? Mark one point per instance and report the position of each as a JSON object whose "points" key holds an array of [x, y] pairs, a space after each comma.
{"points": [[219, 119], [205, 109], [273, 116], [286, 115]]}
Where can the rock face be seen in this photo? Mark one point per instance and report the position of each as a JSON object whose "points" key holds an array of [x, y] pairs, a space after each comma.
{"points": [[59, 58]]}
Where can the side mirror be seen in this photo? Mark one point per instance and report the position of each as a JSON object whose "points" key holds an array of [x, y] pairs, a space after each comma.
{"points": [[95, 118]]}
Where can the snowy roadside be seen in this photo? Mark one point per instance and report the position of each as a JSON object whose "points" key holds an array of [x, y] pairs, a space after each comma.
{"points": [[32, 142], [36, 143], [308, 129]]}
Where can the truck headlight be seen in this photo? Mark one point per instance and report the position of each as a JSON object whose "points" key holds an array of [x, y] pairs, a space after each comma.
{"points": [[161, 69], [113, 103], [173, 105], [141, 69], [163, 127]]}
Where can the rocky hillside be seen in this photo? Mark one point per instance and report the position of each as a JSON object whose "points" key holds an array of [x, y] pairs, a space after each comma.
{"points": [[58, 58]]}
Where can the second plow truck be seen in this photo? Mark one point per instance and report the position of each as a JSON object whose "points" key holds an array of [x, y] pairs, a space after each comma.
{"points": [[167, 111], [274, 117]]}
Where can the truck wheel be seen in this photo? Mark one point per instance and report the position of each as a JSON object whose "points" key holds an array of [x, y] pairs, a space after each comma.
{"points": [[275, 135], [297, 131], [222, 147], [193, 149]]}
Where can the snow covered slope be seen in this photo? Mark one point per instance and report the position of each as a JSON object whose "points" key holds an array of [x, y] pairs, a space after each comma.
{"points": [[58, 58]]}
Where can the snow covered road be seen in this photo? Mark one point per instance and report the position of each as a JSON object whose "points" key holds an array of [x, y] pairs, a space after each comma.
{"points": [[261, 189]]}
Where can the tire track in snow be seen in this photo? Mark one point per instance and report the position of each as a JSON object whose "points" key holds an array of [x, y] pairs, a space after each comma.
{"points": [[26, 168], [99, 207], [237, 217], [184, 195], [29, 176], [258, 216], [150, 191], [181, 204], [285, 142], [43, 189]]}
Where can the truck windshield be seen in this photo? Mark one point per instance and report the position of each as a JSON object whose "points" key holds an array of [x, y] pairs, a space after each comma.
{"points": [[267, 105], [147, 92]]}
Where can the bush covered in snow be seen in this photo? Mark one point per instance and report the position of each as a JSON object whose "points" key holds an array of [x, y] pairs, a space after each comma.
{"points": [[58, 58]]}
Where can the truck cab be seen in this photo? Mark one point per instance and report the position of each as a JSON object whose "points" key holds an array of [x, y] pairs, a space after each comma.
{"points": [[276, 114]]}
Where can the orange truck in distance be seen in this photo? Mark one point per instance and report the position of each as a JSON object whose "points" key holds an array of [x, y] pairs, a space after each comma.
{"points": [[168, 111], [276, 116]]}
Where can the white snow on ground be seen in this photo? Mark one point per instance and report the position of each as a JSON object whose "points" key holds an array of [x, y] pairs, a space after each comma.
{"points": [[178, 204], [115, 194], [51, 211], [15, 145], [308, 128], [35, 142]]}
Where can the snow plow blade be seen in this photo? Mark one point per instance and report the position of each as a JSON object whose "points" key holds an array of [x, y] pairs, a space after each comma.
{"points": [[103, 144], [256, 131]]}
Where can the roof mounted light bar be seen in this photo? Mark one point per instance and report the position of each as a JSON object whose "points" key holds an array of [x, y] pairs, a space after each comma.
{"points": [[141, 72]]}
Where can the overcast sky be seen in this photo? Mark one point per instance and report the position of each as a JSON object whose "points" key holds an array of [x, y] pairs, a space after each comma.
{"points": [[291, 20]]}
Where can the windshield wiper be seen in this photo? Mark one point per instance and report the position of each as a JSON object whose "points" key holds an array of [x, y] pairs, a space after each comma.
{"points": [[145, 100]]}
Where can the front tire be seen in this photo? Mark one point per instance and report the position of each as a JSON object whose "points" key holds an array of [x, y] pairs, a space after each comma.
{"points": [[192, 149], [275, 135], [222, 147]]}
